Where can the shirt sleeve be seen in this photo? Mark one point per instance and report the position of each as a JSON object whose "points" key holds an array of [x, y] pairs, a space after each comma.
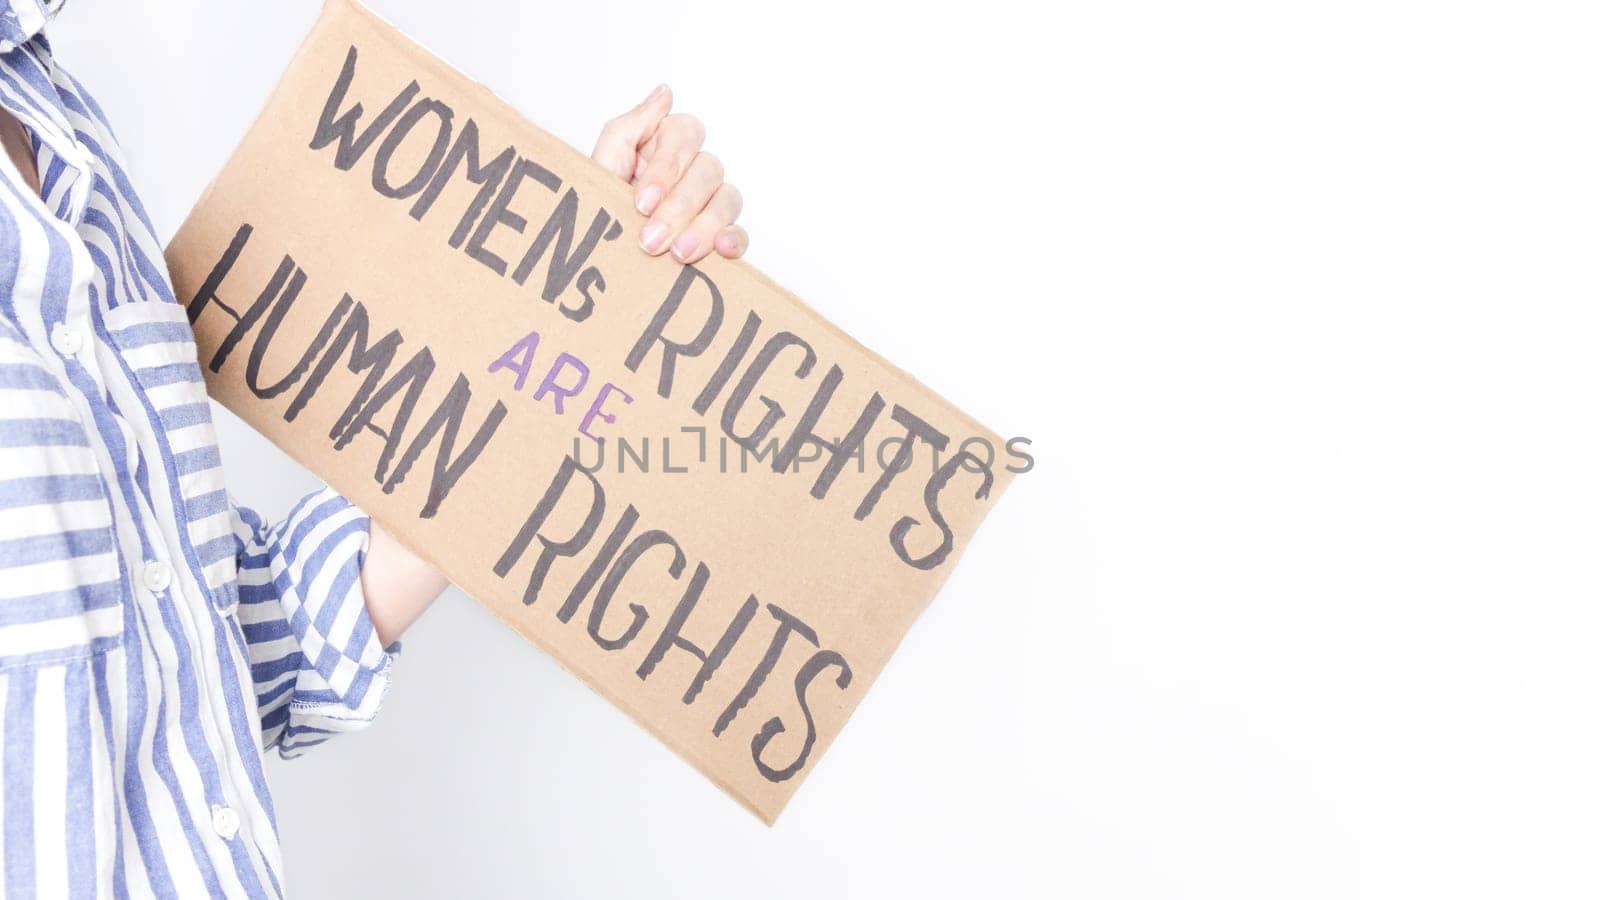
{"points": [[315, 658]]}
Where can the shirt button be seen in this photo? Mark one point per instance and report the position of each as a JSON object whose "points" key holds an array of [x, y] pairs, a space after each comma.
{"points": [[157, 575], [224, 821], [67, 341]]}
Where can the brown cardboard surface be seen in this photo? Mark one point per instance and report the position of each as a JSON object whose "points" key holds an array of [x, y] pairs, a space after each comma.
{"points": [[442, 335]]}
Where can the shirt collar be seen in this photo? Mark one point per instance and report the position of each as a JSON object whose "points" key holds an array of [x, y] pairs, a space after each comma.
{"points": [[21, 20]]}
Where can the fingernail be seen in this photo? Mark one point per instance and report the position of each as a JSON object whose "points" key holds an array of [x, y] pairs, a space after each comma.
{"points": [[660, 88], [684, 247], [648, 197], [653, 236]]}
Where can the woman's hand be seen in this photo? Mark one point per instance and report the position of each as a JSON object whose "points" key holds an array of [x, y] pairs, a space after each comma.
{"points": [[679, 186]]}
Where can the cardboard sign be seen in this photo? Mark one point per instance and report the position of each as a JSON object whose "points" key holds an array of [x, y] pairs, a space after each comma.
{"points": [[706, 501]]}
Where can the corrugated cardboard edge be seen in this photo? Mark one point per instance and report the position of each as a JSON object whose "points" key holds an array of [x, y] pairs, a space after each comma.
{"points": [[332, 11]]}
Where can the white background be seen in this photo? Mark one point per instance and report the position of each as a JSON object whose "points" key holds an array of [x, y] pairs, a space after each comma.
{"points": [[1298, 303]]}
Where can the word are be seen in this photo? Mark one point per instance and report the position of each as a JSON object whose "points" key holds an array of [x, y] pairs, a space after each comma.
{"points": [[557, 384]]}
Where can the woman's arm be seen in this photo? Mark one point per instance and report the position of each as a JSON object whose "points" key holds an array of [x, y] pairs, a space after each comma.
{"points": [[398, 584]]}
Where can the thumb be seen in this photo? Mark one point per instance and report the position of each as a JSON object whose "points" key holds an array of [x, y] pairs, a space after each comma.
{"points": [[620, 139]]}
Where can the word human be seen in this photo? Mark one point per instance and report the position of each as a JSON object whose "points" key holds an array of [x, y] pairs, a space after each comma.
{"points": [[413, 119], [346, 335]]}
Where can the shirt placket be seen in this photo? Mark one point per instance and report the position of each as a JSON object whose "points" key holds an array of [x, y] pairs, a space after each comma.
{"points": [[73, 336]]}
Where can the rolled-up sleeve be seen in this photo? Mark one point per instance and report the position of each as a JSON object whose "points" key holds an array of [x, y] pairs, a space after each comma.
{"points": [[316, 661]]}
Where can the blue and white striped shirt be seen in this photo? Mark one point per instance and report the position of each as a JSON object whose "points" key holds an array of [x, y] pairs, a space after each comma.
{"points": [[154, 638]]}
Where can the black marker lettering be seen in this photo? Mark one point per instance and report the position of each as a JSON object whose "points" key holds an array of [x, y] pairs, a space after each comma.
{"points": [[840, 452], [552, 549], [269, 330], [486, 176], [598, 565], [373, 360], [446, 422], [411, 379], [930, 497], [608, 588], [730, 362], [774, 726], [786, 624], [397, 136], [343, 127], [758, 367], [208, 289], [500, 211], [670, 349], [915, 428], [246, 321], [672, 636], [558, 231]]}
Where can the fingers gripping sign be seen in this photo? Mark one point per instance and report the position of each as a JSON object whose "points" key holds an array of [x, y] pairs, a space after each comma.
{"points": [[681, 187]]}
